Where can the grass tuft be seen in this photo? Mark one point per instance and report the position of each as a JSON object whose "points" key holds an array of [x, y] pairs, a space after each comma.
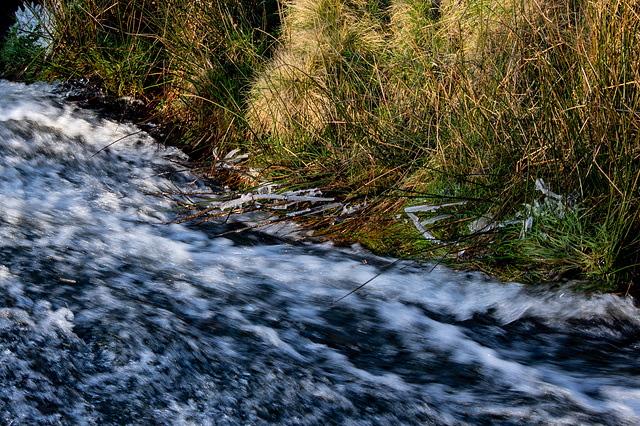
{"points": [[528, 111]]}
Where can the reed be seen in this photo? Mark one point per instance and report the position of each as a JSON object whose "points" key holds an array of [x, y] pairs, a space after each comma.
{"points": [[527, 110], [213, 50], [111, 43]]}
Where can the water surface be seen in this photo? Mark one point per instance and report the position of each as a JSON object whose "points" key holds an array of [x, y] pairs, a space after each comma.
{"points": [[110, 316]]}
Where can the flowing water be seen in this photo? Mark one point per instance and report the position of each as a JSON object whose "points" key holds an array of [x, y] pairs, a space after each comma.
{"points": [[110, 316]]}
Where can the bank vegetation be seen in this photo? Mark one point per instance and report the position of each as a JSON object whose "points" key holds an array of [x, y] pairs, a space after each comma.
{"points": [[500, 135]]}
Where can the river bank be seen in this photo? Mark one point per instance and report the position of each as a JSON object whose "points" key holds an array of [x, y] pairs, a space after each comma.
{"points": [[500, 136]]}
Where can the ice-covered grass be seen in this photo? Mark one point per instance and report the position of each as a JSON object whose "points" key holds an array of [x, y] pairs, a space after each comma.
{"points": [[34, 22]]}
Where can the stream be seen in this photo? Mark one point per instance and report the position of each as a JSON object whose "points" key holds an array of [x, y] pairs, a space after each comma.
{"points": [[111, 316]]}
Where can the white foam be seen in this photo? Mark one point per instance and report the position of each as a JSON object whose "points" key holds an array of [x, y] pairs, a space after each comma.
{"points": [[209, 327]]}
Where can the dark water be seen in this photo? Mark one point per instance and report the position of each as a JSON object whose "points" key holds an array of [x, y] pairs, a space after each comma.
{"points": [[108, 316]]}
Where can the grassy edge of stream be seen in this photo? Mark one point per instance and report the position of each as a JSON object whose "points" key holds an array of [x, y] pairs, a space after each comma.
{"points": [[499, 135]]}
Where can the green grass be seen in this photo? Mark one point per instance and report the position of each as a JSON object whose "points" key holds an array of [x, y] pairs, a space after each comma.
{"points": [[386, 105]]}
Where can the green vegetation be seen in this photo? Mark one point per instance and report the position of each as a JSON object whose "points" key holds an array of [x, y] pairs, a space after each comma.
{"points": [[524, 113]]}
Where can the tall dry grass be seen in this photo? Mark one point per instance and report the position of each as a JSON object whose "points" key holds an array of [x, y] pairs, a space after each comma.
{"points": [[213, 50], [475, 100], [404, 102]]}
